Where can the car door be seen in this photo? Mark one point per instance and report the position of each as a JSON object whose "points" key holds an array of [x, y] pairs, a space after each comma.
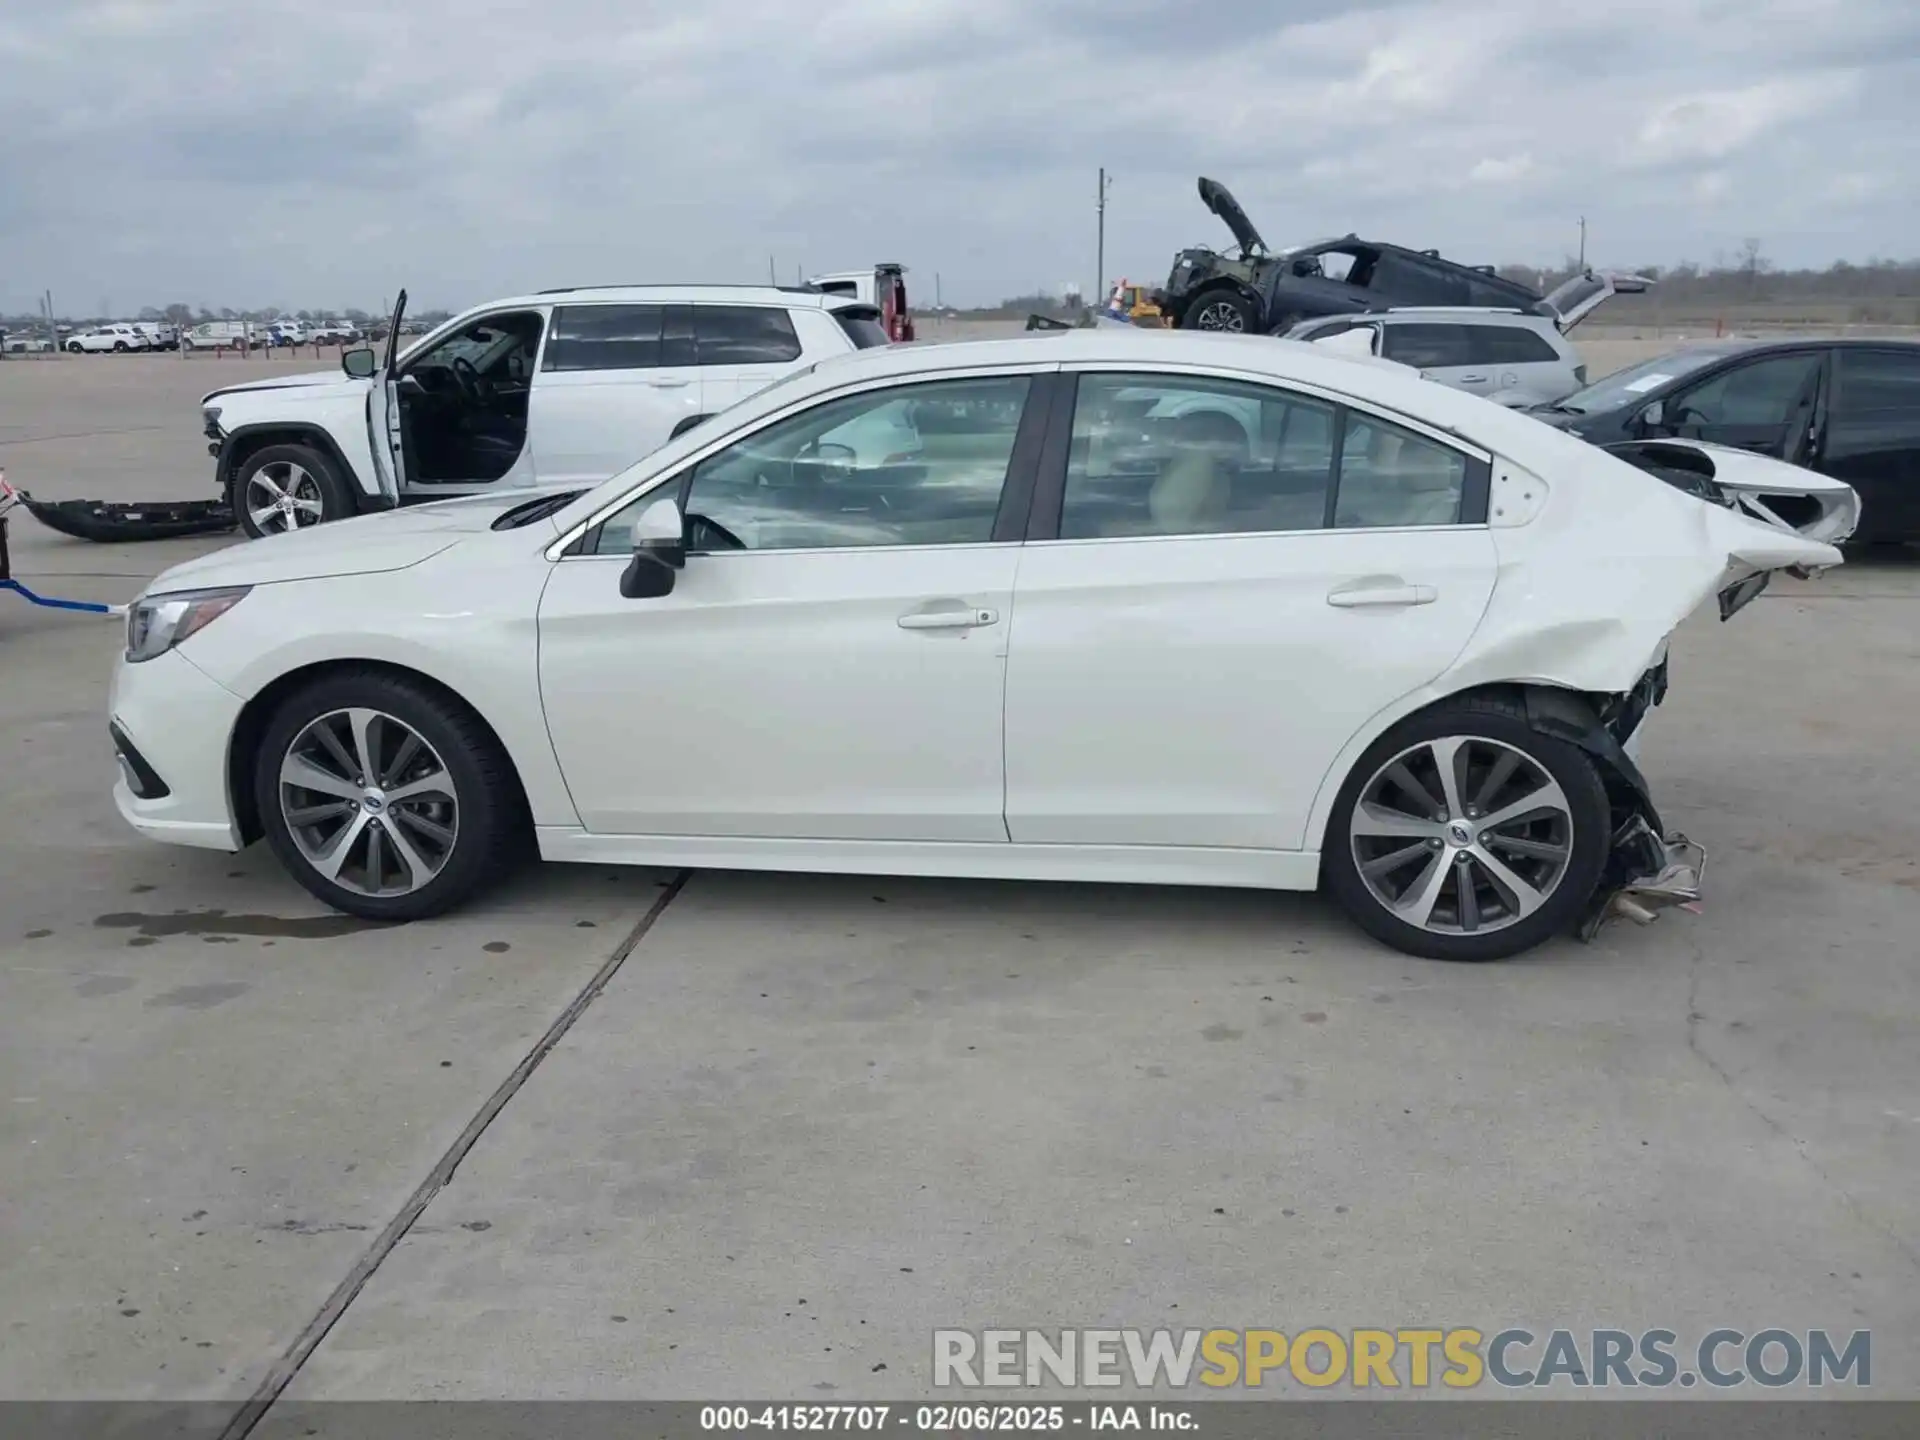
{"points": [[610, 388], [1210, 607], [1764, 404], [1440, 352], [830, 663], [1871, 436], [741, 349], [1522, 365]]}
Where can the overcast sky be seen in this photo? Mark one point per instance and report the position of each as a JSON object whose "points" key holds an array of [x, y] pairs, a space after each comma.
{"points": [[315, 153]]}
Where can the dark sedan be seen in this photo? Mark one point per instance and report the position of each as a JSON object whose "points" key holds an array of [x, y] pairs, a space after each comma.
{"points": [[1846, 408]]}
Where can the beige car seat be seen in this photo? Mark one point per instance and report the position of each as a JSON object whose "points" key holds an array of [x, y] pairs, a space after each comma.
{"points": [[1395, 479]]}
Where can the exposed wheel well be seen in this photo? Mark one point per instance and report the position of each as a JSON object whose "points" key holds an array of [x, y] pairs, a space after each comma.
{"points": [[249, 441], [1580, 717], [249, 730]]}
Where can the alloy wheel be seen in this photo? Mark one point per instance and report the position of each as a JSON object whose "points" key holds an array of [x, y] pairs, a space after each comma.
{"points": [[284, 496], [1220, 316], [369, 802], [1461, 835]]}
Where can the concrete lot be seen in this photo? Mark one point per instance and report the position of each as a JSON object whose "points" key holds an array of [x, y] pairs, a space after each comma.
{"points": [[809, 1120]]}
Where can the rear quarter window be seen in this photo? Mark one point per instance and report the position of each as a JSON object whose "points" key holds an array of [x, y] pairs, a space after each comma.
{"points": [[744, 335], [862, 326], [1510, 345]]}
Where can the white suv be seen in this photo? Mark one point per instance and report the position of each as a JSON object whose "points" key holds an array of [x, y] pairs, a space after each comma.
{"points": [[1507, 356], [102, 338], [560, 389]]}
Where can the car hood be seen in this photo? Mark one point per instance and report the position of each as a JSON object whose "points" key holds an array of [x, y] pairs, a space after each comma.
{"points": [[364, 545], [335, 380], [1217, 198]]}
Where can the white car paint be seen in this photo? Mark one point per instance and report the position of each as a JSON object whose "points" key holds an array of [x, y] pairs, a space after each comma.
{"points": [[1756, 483], [102, 338], [1164, 709]]}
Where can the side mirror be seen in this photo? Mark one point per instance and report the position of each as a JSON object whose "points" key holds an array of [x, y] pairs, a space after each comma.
{"points": [[360, 364], [1654, 416], [659, 549]]}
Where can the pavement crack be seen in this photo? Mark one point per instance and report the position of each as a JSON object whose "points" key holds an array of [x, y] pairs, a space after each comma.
{"points": [[254, 1409], [1779, 1128]]}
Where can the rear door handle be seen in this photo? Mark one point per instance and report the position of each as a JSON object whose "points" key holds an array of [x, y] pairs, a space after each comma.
{"points": [[1473, 379], [669, 384], [947, 619], [1383, 595]]}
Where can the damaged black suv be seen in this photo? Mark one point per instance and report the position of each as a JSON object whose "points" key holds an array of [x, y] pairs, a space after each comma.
{"points": [[1259, 291]]}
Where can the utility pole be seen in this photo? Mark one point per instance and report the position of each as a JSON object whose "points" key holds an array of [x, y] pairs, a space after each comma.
{"points": [[770, 279], [1583, 242], [936, 291], [1100, 252]]}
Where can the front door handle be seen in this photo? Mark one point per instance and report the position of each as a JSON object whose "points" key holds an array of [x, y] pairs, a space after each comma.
{"points": [[669, 384], [1359, 597], [947, 619], [1473, 379]]}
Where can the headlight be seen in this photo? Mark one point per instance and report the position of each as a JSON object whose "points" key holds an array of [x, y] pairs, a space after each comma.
{"points": [[210, 416], [156, 624]]}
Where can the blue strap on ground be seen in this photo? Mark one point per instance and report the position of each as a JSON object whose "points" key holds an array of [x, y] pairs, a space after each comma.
{"points": [[50, 603]]}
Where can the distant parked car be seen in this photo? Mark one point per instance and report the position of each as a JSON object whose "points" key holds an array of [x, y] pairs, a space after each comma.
{"points": [[24, 344], [1849, 409], [1511, 357], [220, 334], [102, 338], [333, 332], [160, 335], [287, 332]]}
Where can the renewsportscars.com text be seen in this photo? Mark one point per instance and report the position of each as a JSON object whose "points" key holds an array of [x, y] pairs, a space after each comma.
{"points": [[1457, 1358]]}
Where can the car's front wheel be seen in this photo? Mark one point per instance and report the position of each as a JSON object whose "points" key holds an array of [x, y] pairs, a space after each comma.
{"points": [[1225, 310], [287, 487], [1465, 834], [74, 347], [386, 799]]}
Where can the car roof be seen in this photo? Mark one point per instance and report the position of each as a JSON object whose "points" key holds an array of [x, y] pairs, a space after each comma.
{"points": [[805, 297]]}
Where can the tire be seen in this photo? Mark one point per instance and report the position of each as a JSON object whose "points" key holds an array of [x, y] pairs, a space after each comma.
{"points": [[1501, 921], [1226, 311], [304, 473], [74, 347], [465, 831], [119, 347]]}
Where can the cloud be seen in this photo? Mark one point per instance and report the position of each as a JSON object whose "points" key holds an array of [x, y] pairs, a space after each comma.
{"points": [[298, 154]]}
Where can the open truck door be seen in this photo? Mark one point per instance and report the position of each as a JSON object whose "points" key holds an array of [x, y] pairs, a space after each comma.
{"points": [[1572, 302], [383, 414]]}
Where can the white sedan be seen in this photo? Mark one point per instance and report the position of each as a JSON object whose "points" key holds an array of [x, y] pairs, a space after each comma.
{"points": [[1100, 605]]}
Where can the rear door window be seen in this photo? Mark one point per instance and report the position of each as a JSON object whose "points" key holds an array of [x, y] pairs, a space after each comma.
{"points": [[605, 337], [1868, 382], [743, 335], [1429, 347]]}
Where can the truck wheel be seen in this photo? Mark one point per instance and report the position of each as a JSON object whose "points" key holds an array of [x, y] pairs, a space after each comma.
{"points": [[1224, 310], [287, 487]]}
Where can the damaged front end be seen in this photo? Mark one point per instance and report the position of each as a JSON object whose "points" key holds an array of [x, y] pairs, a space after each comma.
{"points": [[1649, 868]]}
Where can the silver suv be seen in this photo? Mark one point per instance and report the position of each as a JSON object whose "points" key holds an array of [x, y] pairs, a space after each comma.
{"points": [[1506, 356]]}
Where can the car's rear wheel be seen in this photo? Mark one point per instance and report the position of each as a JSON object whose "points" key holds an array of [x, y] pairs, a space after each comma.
{"points": [[1465, 834], [1226, 310], [287, 487], [385, 799]]}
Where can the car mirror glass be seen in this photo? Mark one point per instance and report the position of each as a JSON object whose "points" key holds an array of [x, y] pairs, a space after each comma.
{"points": [[360, 364], [1654, 415]]}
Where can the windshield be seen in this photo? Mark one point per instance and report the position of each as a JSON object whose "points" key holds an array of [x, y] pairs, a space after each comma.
{"points": [[1623, 387]]}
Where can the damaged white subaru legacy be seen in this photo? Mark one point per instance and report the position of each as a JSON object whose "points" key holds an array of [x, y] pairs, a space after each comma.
{"points": [[1093, 605]]}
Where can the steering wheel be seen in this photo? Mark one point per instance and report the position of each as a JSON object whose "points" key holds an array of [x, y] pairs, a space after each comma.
{"points": [[705, 534], [474, 387]]}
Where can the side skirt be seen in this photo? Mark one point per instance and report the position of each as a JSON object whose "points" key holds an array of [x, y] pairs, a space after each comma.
{"points": [[1101, 864]]}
